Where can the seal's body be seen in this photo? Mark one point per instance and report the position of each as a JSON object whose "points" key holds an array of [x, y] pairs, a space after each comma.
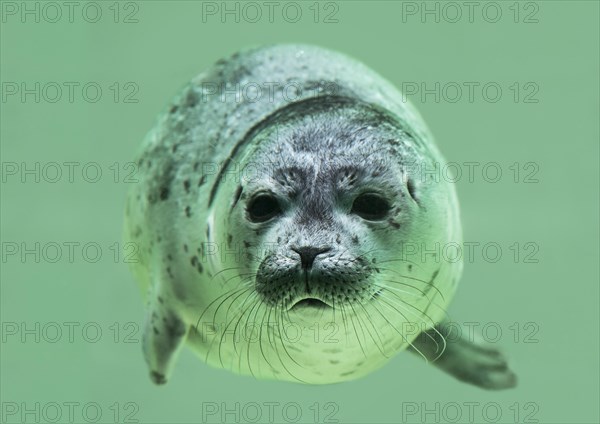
{"points": [[283, 218]]}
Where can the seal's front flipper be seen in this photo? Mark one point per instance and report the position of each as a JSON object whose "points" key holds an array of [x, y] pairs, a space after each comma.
{"points": [[164, 335], [465, 356]]}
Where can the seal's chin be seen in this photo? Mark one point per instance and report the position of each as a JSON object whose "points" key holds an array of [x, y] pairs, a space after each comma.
{"points": [[308, 303]]}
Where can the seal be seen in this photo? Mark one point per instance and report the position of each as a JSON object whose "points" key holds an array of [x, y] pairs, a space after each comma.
{"points": [[284, 222]]}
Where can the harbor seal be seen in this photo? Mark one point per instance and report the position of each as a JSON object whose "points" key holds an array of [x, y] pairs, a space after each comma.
{"points": [[281, 216]]}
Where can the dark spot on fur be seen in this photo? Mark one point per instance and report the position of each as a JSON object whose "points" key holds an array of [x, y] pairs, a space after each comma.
{"points": [[169, 257], [355, 239], [157, 378], [409, 267], [173, 109], [160, 300], [394, 223], [191, 99], [229, 239], [186, 186], [410, 185], [164, 193], [188, 211], [237, 196], [202, 180], [185, 247], [175, 329], [155, 330]]}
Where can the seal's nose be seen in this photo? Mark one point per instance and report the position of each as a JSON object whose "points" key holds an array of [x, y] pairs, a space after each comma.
{"points": [[308, 254]]}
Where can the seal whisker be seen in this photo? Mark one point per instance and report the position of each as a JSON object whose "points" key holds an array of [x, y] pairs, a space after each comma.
{"points": [[355, 330], [248, 342], [403, 260], [215, 275], [228, 295], [270, 309], [245, 286], [404, 302], [341, 309], [255, 321], [242, 312], [282, 344], [242, 275], [423, 294], [228, 323], [369, 321], [433, 326], [428, 283], [432, 302], [400, 333]]}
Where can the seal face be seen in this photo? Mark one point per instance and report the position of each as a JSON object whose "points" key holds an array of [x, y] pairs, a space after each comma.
{"points": [[284, 238]]}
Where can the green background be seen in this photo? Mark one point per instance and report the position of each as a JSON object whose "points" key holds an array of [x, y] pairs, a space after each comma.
{"points": [[554, 301]]}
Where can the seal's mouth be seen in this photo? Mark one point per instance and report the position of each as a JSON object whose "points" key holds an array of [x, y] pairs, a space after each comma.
{"points": [[309, 303]]}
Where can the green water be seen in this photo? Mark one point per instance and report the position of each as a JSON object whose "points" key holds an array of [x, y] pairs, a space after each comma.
{"points": [[81, 85]]}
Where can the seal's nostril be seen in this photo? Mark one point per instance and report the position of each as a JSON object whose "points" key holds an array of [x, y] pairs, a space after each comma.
{"points": [[308, 254]]}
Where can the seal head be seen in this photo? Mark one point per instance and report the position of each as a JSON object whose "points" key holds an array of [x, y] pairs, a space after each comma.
{"points": [[325, 219]]}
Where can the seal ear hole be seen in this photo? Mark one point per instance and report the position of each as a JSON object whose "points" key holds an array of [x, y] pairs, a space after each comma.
{"points": [[263, 207], [371, 207], [410, 185]]}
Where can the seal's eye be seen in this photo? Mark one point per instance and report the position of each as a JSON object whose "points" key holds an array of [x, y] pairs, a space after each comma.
{"points": [[262, 208], [370, 206]]}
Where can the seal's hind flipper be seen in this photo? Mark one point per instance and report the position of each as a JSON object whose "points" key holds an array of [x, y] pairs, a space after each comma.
{"points": [[164, 335], [465, 356]]}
